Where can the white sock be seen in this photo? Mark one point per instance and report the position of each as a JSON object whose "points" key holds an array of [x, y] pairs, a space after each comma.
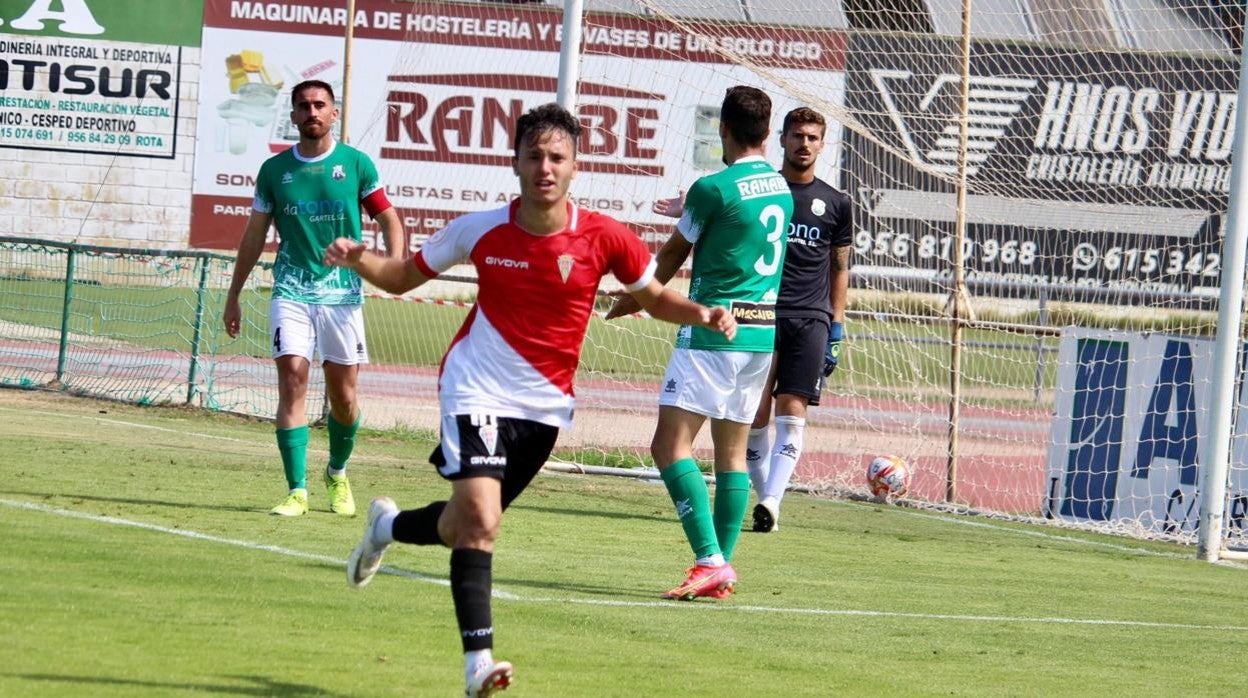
{"points": [[711, 560], [757, 453], [335, 472], [383, 532], [300, 490], [474, 661], [784, 456]]}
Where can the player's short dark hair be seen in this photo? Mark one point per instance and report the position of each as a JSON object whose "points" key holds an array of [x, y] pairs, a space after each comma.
{"points": [[539, 121], [746, 112], [804, 115], [310, 85]]}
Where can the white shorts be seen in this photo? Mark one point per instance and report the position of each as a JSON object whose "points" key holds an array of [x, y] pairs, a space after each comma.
{"points": [[336, 332], [716, 384]]}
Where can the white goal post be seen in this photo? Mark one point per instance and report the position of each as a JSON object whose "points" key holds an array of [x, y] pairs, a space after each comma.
{"points": [[1228, 347]]}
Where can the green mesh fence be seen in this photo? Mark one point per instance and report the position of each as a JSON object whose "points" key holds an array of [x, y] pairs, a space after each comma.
{"points": [[136, 325]]}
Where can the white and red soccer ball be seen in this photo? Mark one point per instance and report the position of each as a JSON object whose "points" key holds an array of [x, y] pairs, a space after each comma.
{"points": [[888, 477]]}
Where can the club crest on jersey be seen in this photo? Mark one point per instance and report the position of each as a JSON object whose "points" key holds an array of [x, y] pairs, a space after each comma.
{"points": [[565, 266], [489, 436], [818, 207], [338, 173], [287, 178]]}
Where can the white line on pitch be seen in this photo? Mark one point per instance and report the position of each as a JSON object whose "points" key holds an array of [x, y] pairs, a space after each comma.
{"points": [[153, 427], [958, 520], [891, 614], [195, 535], [398, 572], [136, 425], [936, 516]]}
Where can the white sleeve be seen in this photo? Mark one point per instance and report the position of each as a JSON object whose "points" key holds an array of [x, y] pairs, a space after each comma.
{"points": [[687, 228], [453, 244], [445, 248]]}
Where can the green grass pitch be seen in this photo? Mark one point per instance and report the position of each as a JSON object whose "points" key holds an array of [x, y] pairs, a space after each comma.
{"points": [[138, 561]]}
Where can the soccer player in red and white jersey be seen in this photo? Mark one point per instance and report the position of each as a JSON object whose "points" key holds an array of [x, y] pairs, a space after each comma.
{"points": [[506, 381]]}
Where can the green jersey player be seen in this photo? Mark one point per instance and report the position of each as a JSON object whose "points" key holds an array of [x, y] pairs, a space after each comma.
{"points": [[734, 222], [810, 312], [313, 194]]}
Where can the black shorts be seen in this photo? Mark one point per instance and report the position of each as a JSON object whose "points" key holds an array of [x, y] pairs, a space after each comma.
{"points": [[800, 346], [504, 448]]}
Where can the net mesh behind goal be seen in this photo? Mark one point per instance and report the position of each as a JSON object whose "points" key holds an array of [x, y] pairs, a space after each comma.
{"points": [[1038, 222], [1095, 179]]}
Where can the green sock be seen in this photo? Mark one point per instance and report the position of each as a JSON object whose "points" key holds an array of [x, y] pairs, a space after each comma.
{"points": [[732, 496], [693, 505], [341, 442], [292, 443]]}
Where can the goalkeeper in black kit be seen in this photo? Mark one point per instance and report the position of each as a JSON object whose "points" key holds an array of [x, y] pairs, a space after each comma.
{"points": [[810, 314]]}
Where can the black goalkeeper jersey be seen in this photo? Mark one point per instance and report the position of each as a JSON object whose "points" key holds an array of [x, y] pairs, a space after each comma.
{"points": [[821, 222]]}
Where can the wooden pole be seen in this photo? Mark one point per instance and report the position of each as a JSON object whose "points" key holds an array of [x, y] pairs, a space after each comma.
{"points": [[346, 67], [959, 304]]}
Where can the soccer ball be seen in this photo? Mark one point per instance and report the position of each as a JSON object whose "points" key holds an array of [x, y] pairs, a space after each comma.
{"points": [[888, 476]]}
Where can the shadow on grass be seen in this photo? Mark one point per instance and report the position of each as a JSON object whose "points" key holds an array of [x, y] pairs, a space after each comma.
{"points": [[261, 685], [510, 584], [649, 593], [45, 496], [665, 517]]}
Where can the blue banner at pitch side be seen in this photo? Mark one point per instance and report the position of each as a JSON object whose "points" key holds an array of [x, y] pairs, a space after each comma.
{"points": [[1127, 442]]}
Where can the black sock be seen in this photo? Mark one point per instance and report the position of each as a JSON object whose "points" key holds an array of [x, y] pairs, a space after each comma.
{"points": [[470, 588], [419, 526]]}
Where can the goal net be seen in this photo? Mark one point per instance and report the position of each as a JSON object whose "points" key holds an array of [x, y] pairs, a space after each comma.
{"points": [[1037, 247]]}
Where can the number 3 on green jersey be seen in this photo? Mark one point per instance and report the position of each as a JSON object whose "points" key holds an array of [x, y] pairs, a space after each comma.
{"points": [[773, 218], [737, 220]]}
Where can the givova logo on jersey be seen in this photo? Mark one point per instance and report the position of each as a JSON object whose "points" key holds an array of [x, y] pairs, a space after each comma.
{"points": [[317, 210]]}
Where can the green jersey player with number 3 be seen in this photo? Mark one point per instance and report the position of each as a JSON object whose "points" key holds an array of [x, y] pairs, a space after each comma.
{"points": [[734, 222]]}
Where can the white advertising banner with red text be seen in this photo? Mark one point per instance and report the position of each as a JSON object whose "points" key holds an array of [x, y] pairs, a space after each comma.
{"points": [[436, 87]]}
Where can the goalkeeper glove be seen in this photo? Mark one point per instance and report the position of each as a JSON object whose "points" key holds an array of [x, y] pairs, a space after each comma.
{"points": [[833, 355]]}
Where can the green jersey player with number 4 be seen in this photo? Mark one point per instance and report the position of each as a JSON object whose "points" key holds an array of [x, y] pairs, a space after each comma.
{"points": [[734, 222], [313, 194]]}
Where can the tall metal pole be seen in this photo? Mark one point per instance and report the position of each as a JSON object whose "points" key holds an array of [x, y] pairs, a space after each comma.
{"points": [[346, 67], [1227, 343], [62, 351], [570, 55], [192, 375], [958, 298]]}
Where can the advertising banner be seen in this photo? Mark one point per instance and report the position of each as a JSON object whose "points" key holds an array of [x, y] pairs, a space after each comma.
{"points": [[436, 89], [1127, 442], [1086, 168], [95, 77]]}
